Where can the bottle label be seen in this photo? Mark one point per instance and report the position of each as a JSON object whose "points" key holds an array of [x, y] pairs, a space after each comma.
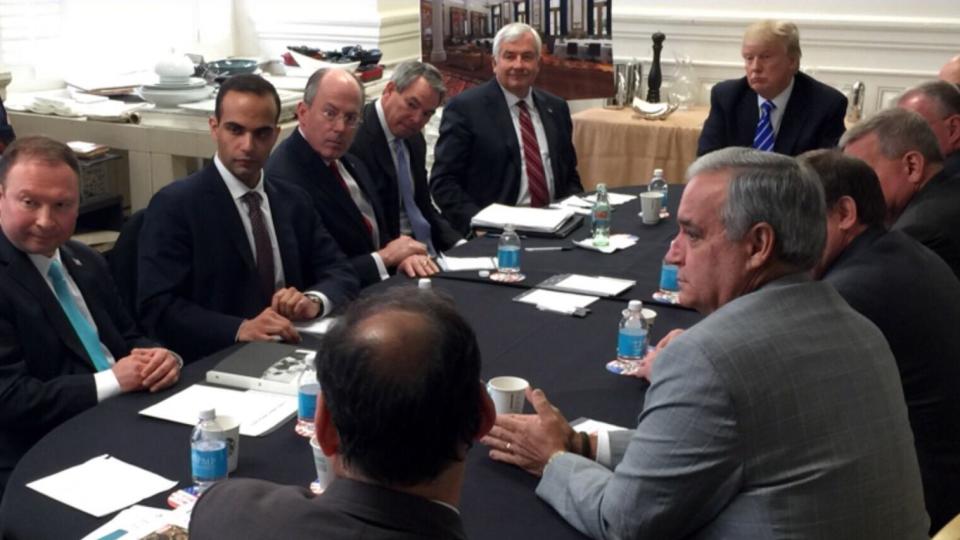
{"points": [[632, 343], [668, 278], [307, 401], [508, 257], [208, 460]]}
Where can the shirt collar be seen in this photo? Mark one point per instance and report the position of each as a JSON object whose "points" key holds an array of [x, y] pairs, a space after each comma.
{"points": [[512, 99], [42, 262], [782, 98], [378, 105], [237, 188]]}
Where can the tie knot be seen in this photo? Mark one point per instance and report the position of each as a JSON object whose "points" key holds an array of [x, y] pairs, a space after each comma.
{"points": [[522, 105], [55, 271], [252, 199], [768, 106]]}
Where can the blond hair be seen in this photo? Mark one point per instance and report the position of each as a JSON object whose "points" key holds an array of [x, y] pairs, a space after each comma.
{"points": [[783, 32]]}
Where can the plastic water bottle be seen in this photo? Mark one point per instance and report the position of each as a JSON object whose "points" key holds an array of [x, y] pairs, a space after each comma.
{"points": [[508, 251], [601, 217], [307, 390], [659, 183], [669, 288], [632, 339], [425, 284], [208, 451]]}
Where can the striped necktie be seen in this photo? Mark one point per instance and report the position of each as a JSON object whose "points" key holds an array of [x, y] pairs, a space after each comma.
{"points": [[536, 179], [85, 331], [764, 138]]}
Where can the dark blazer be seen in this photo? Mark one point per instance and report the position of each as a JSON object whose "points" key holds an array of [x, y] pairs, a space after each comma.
{"points": [[477, 158], [933, 217], [347, 509], [914, 298], [197, 275], [813, 118], [370, 145], [296, 163], [46, 375], [951, 165]]}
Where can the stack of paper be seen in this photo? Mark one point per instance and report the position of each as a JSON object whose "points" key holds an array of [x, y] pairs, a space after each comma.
{"points": [[616, 242], [258, 412], [544, 220]]}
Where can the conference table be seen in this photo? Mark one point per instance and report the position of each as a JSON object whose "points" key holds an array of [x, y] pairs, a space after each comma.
{"points": [[563, 355]]}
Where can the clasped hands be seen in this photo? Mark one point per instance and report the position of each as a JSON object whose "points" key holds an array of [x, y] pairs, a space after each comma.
{"points": [[276, 321], [147, 369], [409, 256]]}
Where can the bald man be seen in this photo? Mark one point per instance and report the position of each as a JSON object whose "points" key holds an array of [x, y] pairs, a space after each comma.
{"points": [[950, 71]]}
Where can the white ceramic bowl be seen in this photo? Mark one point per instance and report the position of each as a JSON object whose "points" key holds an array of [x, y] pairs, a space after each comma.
{"points": [[172, 98], [174, 66]]}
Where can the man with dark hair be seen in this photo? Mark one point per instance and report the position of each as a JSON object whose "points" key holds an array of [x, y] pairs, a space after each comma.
{"points": [[228, 254], [922, 200], [315, 159], [505, 141], [66, 341], [401, 404], [938, 102], [775, 107], [914, 298], [780, 414], [390, 142]]}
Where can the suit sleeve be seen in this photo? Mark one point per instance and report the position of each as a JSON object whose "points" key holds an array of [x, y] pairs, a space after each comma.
{"points": [[681, 468], [335, 278], [572, 184], [451, 159], [834, 125], [712, 136], [165, 256]]}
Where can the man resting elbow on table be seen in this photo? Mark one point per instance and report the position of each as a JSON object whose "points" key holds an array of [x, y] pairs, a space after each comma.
{"points": [[779, 414], [66, 340]]}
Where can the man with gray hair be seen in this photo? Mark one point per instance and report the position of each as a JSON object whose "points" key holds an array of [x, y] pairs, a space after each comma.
{"points": [[505, 141], [938, 102], [315, 158], [921, 199], [778, 415], [390, 143]]}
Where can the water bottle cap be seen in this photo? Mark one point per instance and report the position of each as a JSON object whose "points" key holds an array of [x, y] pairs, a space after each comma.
{"points": [[424, 283], [601, 186], [658, 172], [635, 305], [208, 414], [508, 227]]}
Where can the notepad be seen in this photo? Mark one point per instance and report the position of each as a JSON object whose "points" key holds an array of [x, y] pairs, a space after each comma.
{"points": [[544, 220], [258, 412]]}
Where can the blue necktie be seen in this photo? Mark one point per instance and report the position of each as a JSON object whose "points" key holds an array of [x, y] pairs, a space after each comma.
{"points": [[763, 140], [419, 224], [86, 333]]}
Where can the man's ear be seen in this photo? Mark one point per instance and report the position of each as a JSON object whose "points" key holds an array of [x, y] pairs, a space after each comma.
{"points": [[488, 413], [846, 209], [914, 166], [326, 432], [760, 241]]}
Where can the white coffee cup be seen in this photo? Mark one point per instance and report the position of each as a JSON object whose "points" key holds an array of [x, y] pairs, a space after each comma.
{"points": [[324, 468], [650, 202], [650, 315], [507, 394], [231, 429]]}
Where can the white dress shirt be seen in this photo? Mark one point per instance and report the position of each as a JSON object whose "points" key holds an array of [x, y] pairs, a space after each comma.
{"points": [[776, 115], [523, 197], [106, 382]]}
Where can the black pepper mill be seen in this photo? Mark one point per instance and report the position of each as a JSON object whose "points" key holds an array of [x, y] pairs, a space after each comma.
{"points": [[655, 78]]}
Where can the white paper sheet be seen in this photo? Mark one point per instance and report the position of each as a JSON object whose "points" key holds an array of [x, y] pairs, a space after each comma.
{"points": [[557, 301], [531, 219], [617, 242], [455, 264], [127, 522], [599, 285], [317, 326], [258, 412], [589, 425], [101, 485], [616, 199]]}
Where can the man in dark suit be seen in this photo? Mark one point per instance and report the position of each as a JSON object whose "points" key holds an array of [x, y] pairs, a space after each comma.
{"points": [[504, 141], [401, 406], [315, 159], [391, 145], [226, 254], [938, 102], [775, 107], [921, 199], [66, 341], [914, 298]]}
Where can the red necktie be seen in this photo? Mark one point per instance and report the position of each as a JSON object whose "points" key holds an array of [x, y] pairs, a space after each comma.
{"points": [[536, 180], [336, 173]]}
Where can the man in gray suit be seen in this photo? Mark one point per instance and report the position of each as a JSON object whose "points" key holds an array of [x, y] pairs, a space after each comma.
{"points": [[780, 414]]}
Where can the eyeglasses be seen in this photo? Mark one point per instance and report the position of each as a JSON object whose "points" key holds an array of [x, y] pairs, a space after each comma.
{"points": [[350, 120]]}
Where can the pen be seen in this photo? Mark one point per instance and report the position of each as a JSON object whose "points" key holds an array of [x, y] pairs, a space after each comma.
{"points": [[547, 248]]}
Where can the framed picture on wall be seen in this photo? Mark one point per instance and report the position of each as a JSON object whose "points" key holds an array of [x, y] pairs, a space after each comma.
{"points": [[536, 14]]}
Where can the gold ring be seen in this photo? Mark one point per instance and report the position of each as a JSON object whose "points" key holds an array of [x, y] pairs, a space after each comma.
{"points": [[508, 446]]}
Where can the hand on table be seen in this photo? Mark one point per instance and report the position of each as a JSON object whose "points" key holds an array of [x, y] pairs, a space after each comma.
{"points": [[529, 440], [418, 266], [399, 249], [159, 368], [268, 326], [294, 305]]}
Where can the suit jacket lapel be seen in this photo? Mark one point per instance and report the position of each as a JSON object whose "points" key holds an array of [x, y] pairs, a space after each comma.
{"points": [[25, 273], [220, 203], [749, 118], [85, 282], [503, 124], [283, 226], [792, 120], [551, 129]]}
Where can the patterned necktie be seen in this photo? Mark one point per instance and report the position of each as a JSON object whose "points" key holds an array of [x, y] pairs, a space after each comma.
{"points": [[419, 224], [764, 138], [83, 328], [536, 180], [336, 174], [261, 241]]}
